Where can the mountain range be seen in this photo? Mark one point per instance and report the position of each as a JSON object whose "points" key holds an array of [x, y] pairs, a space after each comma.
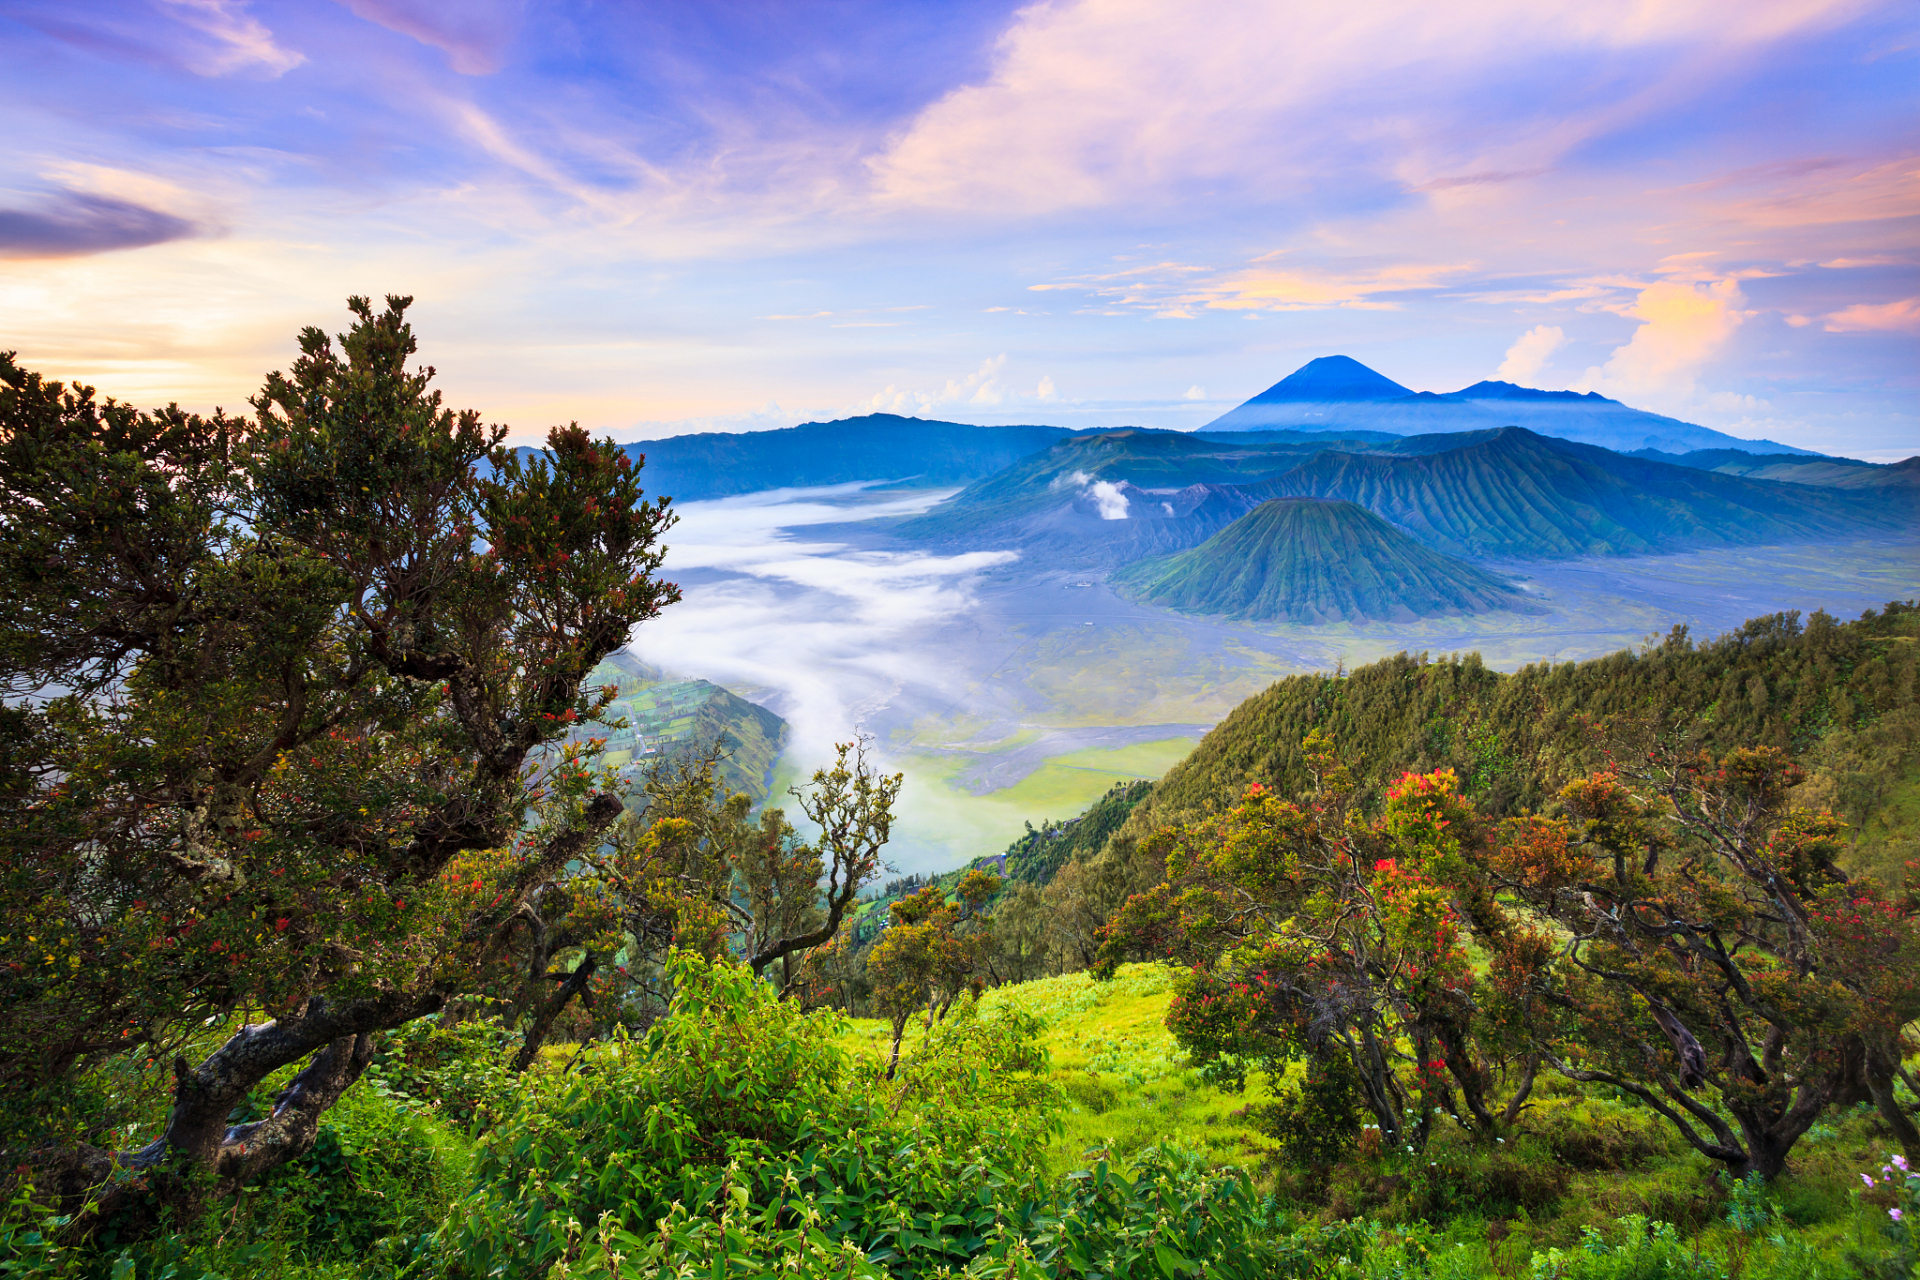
{"points": [[874, 446], [1336, 493], [1338, 393], [1109, 499]]}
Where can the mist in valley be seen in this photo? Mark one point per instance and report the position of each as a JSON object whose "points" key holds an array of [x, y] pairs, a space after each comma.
{"points": [[1008, 690]]}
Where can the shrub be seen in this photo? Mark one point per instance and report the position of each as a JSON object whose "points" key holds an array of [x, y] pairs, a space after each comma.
{"points": [[1646, 1251], [457, 1070], [1317, 1122], [736, 1110]]}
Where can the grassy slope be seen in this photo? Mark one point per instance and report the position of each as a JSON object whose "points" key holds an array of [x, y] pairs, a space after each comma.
{"points": [[1583, 1160], [1126, 1081], [678, 715], [1308, 560]]}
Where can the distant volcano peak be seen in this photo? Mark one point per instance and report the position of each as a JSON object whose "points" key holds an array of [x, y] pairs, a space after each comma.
{"points": [[1331, 380], [1493, 390]]}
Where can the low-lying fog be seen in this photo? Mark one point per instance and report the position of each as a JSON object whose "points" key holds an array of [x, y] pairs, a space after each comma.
{"points": [[1008, 691]]}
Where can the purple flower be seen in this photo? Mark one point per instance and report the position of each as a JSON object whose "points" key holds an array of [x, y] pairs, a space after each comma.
{"points": [[1899, 1162], [1894, 1214], [1864, 1178]]}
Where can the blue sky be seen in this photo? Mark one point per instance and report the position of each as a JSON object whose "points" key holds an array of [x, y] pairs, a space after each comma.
{"points": [[672, 216]]}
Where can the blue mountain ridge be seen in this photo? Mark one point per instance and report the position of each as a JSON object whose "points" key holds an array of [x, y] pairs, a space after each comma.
{"points": [[1338, 393]]}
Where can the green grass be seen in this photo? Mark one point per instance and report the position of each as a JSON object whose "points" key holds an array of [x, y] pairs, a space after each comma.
{"points": [[1127, 1084], [1581, 1161], [946, 826], [1066, 784]]}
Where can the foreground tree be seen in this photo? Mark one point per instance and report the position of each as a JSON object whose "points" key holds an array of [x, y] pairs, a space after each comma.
{"points": [[1310, 932], [280, 693], [1719, 965], [932, 950], [693, 868]]}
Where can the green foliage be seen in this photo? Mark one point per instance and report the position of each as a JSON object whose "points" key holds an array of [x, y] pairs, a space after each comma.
{"points": [[1775, 681], [1644, 1251], [1317, 1121], [736, 1093], [274, 686], [1035, 857], [362, 1203], [453, 1070], [377, 1175]]}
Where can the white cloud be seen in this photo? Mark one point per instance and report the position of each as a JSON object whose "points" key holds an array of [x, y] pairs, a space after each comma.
{"points": [[1529, 354], [1195, 392], [1045, 392], [1069, 480], [1734, 402], [843, 617], [1682, 327], [1108, 500], [983, 387]]}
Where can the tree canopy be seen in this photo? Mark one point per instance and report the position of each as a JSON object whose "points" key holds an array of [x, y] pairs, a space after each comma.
{"points": [[280, 694]]}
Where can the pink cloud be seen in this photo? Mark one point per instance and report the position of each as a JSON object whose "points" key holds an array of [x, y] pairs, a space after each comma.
{"points": [[475, 34], [1885, 317]]}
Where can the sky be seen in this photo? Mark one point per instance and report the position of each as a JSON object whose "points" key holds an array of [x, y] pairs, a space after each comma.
{"points": [[680, 215]]}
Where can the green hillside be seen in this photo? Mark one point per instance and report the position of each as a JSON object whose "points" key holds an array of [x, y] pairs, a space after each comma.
{"points": [[1514, 494], [1844, 697], [667, 716], [1311, 561], [1898, 483], [1047, 481]]}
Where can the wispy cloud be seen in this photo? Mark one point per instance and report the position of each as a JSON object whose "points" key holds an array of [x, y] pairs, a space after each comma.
{"points": [[240, 41], [679, 214], [843, 616], [1270, 282], [474, 34], [73, 224]]}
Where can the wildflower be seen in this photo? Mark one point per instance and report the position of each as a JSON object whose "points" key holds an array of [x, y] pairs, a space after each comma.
{"points": [[1900, 1163], [1864, 1178], [1894, 1214]]}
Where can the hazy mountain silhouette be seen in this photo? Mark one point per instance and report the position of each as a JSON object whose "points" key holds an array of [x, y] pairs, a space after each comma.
{"points": [[875, 446], [1332, 380], [1337, 393]]}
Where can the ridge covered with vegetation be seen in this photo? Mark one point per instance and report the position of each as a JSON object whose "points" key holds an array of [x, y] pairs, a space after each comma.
{"points": [[876, 446], [1309, 560]]}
